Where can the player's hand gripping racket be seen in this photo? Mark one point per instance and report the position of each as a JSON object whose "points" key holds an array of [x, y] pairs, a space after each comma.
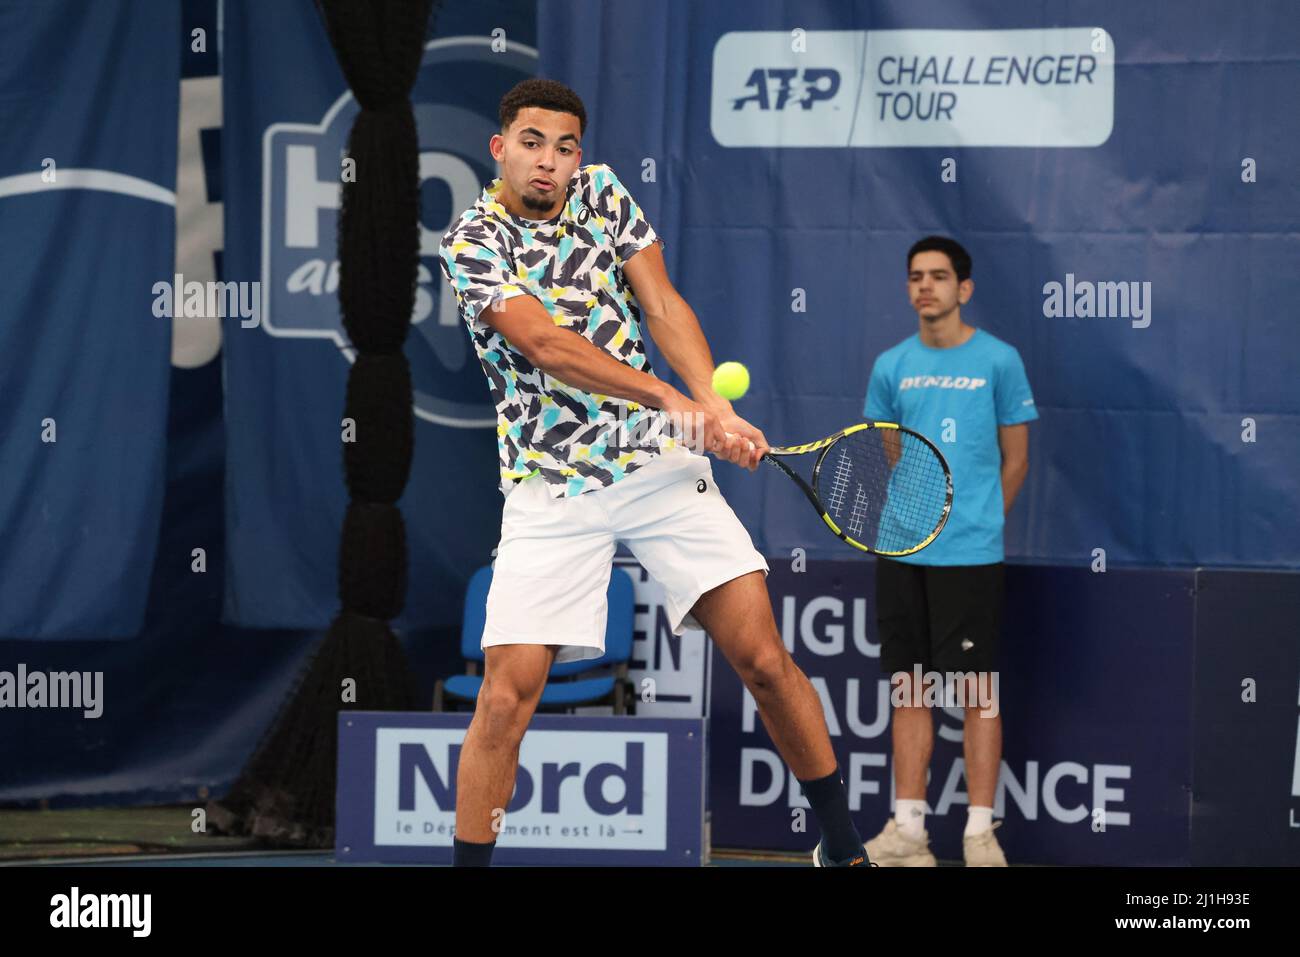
{"points": [[878, 486]]}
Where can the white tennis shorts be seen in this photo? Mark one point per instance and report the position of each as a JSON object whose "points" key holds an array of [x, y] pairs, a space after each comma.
{"points": [[553, 563]]}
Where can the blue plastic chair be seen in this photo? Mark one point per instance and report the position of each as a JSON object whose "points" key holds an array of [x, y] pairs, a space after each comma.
{"points": [[610, 686]]}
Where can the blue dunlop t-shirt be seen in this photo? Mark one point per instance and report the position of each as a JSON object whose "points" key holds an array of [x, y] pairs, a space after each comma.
{"points": [[957, 398]]}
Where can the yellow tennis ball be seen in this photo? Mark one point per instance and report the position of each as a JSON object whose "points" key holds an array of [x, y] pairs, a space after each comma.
{"points": [[731, 380]]}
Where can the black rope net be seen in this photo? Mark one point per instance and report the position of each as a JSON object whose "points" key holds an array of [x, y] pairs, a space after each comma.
{"points": [[285, 794]]}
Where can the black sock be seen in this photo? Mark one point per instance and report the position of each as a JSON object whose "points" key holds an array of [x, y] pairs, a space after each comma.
{"points": [[469, 854], [830, 805]]}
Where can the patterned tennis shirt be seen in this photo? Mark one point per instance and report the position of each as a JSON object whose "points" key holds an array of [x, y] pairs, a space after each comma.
{"points": [[573, 265]]}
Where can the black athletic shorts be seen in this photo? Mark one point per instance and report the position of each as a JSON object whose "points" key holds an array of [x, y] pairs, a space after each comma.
{"points": [[942, 617]]}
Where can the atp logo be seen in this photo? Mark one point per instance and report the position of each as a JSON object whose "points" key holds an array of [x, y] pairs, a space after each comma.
{"points": [[455, 99], [775, 87]]}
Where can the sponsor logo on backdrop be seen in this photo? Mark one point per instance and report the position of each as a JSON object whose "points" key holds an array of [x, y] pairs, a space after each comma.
{"points": [[302, 174], [857, 707], [574, 789], [1052, 87], [777, 88]]}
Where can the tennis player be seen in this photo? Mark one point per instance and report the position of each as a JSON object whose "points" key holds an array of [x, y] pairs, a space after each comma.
{"points": [[596, 450], [939, 611]]}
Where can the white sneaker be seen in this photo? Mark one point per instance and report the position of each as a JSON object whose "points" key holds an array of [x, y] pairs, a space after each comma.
{"points": [[892, 848], [983, 849]]}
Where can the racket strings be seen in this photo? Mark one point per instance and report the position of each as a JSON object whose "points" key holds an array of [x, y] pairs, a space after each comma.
{"points": [[886, 489]]}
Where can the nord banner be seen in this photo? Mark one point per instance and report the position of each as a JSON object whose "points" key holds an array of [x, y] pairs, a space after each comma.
{"points": [[601, 791]]}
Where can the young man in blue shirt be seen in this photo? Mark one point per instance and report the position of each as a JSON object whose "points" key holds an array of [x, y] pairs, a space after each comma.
{"points": [[939, 611]]}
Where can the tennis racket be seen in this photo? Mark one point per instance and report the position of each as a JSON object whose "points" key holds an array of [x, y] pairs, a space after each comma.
{"points": [[878, 486]]}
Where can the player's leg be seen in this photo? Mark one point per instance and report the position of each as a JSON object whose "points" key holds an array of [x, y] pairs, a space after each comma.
{"points": [[737, 615], [982, 737], [912, 736], [513, 679], [547, 603], [904, 633], [680, 528], [966, 609], [902, 625], [982, 748]]}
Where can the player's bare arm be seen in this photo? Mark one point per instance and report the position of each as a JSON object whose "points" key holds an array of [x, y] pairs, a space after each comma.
{"points": [[575, 361], [676, 331], [569, 357], [1013, 440]]}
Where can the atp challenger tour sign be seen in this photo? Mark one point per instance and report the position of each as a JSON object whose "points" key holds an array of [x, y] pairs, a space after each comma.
{"points": [[914, 88]]}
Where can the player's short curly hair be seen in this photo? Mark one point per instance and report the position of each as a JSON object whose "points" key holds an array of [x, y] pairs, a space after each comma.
{"points": [[544, 94]]}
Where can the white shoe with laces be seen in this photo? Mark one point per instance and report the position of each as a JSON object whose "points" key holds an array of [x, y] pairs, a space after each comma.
{"points": [[983, 849], [892, 848]]}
